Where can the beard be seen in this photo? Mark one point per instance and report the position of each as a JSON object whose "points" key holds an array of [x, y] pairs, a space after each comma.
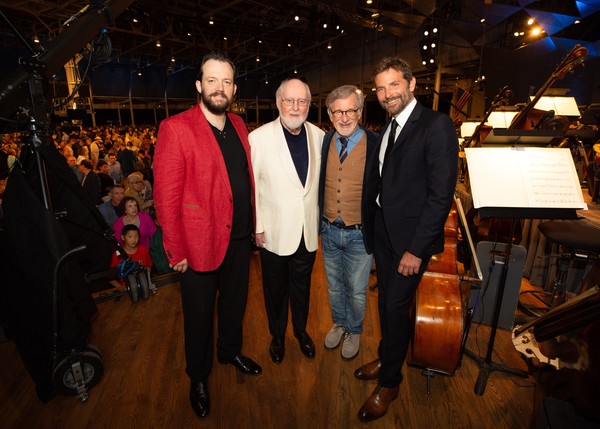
{"points": [[404, 98], [216, 108], [293, 122]]}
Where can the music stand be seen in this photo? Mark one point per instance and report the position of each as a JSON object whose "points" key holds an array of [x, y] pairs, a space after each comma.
{"points": [[508, 137], [494, 201]]}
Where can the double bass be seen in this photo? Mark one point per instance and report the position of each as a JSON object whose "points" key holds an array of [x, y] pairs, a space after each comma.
{"points": [[522, 120], [438, 314]]}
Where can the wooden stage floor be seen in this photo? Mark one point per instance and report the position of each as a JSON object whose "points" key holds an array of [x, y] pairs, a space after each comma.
{"points": [[145, 386]]}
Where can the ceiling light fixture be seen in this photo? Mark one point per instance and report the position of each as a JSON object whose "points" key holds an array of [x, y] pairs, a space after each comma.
{"points": [[211, 20], [296, 18], [329, 45], [172, 59], [158, 43], [36, 39], [257, 59]]}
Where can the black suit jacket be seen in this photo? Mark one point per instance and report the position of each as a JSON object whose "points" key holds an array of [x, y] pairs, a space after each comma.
{"points": [[418, 184], [91, 187], [371, 151]]}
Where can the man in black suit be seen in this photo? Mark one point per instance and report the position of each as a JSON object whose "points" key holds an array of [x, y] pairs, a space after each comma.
{"points": [[90, 181], [410, 183]]}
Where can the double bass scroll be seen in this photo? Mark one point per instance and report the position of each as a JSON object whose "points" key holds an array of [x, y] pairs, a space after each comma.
{"points": [[574, 58]]}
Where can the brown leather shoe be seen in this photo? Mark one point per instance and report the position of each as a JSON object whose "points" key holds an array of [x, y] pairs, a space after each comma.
{"points": [[377, 404], [369, 371]]}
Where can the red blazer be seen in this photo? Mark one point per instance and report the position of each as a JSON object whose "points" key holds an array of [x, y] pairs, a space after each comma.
{"points": [[192, 193]]}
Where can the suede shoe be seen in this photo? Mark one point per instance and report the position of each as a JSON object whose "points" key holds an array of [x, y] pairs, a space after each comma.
{"points": [[244, 364], [277, 350], [334, 336], [199, 398], [307, 347], [369, 371], [377, 404], [351, 345]]}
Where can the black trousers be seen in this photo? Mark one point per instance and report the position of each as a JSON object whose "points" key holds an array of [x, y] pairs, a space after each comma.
{"points": [[286, 281], [396, 295], [198, 294]]}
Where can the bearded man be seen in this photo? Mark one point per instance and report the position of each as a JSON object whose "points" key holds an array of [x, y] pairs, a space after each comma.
{"points": [[286, 159], [203, 193]]}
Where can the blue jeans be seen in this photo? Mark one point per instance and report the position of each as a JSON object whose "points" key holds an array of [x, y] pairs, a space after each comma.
{"points": [[347, 266]]}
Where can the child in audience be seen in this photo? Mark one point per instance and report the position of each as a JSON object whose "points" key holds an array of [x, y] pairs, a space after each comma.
{"points": [[130, 235]]}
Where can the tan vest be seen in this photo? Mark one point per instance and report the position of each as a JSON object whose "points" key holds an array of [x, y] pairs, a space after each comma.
{"points": [[344, 182]]}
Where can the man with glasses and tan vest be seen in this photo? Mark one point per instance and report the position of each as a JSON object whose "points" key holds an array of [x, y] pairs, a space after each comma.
{"points": [[345, 236]]}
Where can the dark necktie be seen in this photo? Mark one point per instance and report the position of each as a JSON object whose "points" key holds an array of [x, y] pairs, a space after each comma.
{"points": [[391, 140], [344, 151]]}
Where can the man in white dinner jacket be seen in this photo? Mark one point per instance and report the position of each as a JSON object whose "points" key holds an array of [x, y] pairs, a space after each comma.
{"points": [[286, 158]]}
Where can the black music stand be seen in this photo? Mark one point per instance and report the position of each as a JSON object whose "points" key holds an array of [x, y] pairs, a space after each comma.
{"points": [[484, 192], [508, 137]]}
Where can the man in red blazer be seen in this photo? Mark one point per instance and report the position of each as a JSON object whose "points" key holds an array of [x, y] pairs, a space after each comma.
{"points": [[410, 186], [204, 193]]}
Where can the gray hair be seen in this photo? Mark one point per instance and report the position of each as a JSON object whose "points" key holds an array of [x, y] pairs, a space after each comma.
{"points": [[345, 91]]}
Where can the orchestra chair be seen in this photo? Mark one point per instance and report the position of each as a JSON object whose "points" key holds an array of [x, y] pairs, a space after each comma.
{"points": [[578, 243]]}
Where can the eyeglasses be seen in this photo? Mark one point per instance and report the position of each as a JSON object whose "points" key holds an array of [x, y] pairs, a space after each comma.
{"points": [[302, 102], [351, 113]]}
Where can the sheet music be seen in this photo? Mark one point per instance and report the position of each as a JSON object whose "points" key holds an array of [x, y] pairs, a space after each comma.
{"points": [[524, 177]]}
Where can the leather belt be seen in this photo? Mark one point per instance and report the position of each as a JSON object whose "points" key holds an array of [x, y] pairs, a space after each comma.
{"points": [[342, 225]]}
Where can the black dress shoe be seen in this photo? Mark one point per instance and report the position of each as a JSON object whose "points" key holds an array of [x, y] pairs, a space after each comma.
{"points": [[307, 347], [244, 364], [199, 398], [277, 350]]}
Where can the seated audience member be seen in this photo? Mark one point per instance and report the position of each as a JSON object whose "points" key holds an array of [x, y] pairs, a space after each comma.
{"points": [[127, 158], [105, 180], [157, 252], [114, 168], [112, 209], [133, 216], [72, 161], [140, 190], [130, 236], [90, 182]]}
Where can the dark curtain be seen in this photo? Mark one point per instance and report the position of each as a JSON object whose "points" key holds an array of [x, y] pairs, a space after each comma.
{"points": [[32, 240]]}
